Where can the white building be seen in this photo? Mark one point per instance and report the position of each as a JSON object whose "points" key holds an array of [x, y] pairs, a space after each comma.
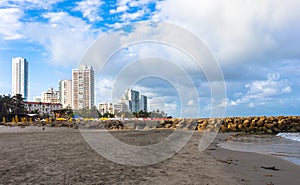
{"points": [[65, 93], [50, 96], [83, 87], [143, 103], [42, 108], [106, 108], [121, 108], [20, 77]]}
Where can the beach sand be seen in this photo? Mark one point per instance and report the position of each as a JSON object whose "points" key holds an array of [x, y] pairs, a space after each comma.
{"points": [[62, 156]]}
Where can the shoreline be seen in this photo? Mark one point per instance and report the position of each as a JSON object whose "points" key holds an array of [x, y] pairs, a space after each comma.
{"points": [[270, 145]]}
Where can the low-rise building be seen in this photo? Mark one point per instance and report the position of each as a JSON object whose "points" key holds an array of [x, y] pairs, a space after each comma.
{"points": [[106, 108], [50, 96], [42, 108], [121, 108]]}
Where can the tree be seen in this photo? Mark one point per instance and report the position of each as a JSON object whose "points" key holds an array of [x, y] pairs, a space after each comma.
{"points": [[107, 115], [9, 105], [18, 104], [5, 105], [87, 113], [141, 114]]}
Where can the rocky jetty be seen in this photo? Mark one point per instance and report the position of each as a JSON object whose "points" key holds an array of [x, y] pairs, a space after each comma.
{"points": [[263, 124], [252, 125]]}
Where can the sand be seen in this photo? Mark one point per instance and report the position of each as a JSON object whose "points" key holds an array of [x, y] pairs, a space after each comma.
{"points": [[61, 156]]}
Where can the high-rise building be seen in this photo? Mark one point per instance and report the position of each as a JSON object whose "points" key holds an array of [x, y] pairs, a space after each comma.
{"points": [[20, 77], [50, 96], [83, 87], [133, 97], [65, 93], [143, 103]]}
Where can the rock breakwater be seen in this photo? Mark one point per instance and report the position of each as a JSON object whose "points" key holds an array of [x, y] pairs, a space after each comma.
{"points": [[252, 125]]}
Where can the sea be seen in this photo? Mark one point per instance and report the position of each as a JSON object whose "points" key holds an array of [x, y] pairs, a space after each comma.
{"points": [[283, 145]]}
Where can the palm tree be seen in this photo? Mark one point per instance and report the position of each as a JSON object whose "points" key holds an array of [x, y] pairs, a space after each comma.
{"points": [[18, 103]]}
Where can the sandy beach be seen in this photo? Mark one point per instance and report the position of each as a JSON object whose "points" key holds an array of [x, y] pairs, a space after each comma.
{"points": [[32, 155]]}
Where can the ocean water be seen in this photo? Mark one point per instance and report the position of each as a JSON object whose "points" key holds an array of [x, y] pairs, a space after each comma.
{"points": [[283, 145]]}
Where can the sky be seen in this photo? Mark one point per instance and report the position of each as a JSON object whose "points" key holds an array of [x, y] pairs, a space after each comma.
{"points": [[256, 44]]}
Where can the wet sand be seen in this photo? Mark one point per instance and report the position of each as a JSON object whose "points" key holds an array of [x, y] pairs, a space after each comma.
{"points": [[62, 156]]}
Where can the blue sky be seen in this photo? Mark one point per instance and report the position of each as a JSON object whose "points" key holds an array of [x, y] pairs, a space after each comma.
{"points": [[255, 42]]}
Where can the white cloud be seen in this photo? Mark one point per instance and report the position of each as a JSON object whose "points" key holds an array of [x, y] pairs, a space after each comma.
{"points": [[239, 30], [29, 4], [140, 3], [64, 37], [119, 9], [287, 89], [90, 9], [191, 102], [132, 10], [261, 91], [132, 16], [10, 26], [103, 89]]}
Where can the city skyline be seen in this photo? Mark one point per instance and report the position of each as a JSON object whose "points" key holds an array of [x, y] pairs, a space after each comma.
{"points": [[136, 101], [255, 43]]}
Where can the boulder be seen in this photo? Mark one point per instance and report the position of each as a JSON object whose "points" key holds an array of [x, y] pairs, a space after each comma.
{"points": [[269, 131], [261, 122], [246, 123]]}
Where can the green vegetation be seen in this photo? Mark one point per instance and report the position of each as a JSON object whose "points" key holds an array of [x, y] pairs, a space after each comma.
{"points": [[87, 113], [11, 105], [106, 115], [152, 114]]}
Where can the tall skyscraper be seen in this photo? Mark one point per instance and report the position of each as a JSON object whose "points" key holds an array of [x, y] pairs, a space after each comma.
{"points": [[143, 103], [65, 93], [83, 87], [20, 77], [133, 97]]}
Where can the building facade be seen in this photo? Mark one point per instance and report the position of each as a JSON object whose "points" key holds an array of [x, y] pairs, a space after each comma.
{"points": [[50, 96], [83, 87], [65, 93], [42, 108], [133, 97], [143, 103], [106, 108], [20, 77], [121, 108]]}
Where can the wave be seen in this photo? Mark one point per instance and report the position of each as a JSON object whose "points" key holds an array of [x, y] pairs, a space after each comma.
{"points": [[291, 136]]}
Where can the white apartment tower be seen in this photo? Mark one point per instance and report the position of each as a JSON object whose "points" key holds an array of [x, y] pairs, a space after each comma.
{"points": [[65, 93], [83, 87], [20, 77]]}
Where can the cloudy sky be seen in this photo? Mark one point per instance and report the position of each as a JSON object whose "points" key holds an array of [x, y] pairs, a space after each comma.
{"points": [[256, 43]]}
